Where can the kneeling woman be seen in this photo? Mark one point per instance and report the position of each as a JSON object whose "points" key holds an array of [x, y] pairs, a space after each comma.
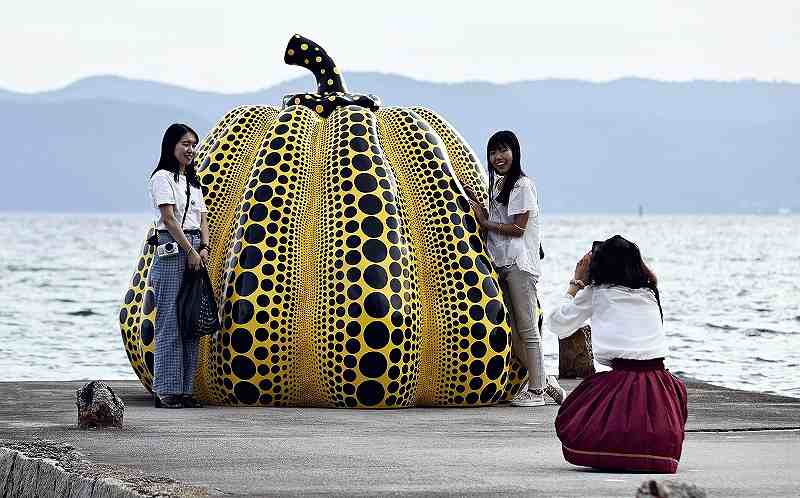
{"points": [[631, 418], [180, 215]]}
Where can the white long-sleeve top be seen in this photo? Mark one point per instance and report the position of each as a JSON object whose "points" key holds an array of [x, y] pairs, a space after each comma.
{"points": [[626, 323]]}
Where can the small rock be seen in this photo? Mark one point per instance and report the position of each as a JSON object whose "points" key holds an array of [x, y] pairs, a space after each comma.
{"points": [[669, 489], [98, 406]]}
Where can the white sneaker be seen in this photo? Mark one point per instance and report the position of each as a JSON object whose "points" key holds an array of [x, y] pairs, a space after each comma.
{"points": [[528, 398], [554, 390]]}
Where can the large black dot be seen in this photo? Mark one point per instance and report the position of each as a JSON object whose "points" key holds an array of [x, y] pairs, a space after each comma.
{"points": [[366, 183], [372, 364], [376, 305], [243, 367], [149, 302], [495, 311], [495, 367], [250, 257], [246, 283], [358, 129], [476, 312], [148, 332], [375, 250], [254, 234], [370, 204], [361, 162], [353, 346], [246, 392], [498, 339], [488, 392], [370, 393], [148, 361], [483, 265], [241, 340], [258, 212], [375, 276], [358, 144], [269, 175], [474, 295], [376, 335], [242, 311], [263, 193], [478, 331], [478, 349], [476, 367], [490, 287], [372, 226]]}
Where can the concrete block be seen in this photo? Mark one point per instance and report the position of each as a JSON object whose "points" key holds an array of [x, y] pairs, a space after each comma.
{"points": [[81, 487], [7, 458]]}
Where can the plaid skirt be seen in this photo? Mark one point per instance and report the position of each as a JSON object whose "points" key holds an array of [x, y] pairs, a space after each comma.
{"points": [[175, 359]]}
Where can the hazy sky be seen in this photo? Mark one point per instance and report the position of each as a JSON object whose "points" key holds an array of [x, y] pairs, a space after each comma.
{"points": [[233, 46]]}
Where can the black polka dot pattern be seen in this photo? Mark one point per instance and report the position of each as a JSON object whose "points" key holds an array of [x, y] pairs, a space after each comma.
{"points": [[466, 333], [348, 266], [257, 360], [137, 316], [366, 318], [469, 172]]}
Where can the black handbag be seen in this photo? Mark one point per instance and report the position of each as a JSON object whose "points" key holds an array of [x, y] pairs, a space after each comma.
{"points": [[196, 306]]}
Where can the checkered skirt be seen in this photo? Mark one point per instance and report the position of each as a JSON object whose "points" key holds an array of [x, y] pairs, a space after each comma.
{"points": [[175, 358]]}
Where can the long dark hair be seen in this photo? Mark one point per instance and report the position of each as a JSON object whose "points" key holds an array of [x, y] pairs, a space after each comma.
{"points": [[618, 261], [499, 140], [167, 161]]}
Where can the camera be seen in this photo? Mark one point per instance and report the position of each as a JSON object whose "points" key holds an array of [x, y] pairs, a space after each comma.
{"points": [[167, 250]]}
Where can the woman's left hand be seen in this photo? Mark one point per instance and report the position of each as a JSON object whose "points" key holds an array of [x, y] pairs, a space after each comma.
{"points": [[582, 268], [480, 214]]}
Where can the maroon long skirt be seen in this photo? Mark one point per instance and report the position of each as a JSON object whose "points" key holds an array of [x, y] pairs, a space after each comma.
{"points": [[629, 419]]}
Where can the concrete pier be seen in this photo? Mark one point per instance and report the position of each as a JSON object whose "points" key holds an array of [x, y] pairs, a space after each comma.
{"points": [[738, 444]]}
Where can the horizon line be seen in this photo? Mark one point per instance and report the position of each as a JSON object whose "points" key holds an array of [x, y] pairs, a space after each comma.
{"points": [[73, 82]]}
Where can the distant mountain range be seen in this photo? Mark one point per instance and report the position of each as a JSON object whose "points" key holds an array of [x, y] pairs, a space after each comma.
{"points": [[699, 146]]}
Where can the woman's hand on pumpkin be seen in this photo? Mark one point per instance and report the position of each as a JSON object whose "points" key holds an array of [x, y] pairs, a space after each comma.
{"points": [[473, 197], [582, 268], [480, 214]]}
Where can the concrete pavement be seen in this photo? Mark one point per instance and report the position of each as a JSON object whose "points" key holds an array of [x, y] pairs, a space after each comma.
{"points": [[738, 444]]}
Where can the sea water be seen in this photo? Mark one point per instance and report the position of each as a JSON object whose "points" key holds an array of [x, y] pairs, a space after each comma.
{"points": [[729, 284]]}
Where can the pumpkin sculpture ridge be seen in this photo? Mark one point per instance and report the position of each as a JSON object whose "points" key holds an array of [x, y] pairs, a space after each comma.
{"points": [[345, 257]]}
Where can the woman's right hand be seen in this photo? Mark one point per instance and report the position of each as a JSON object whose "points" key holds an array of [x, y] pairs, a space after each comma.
{"points": [[582, 268], [194, 261]]}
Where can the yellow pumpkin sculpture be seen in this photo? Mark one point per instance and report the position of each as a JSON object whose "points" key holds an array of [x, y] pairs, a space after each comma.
{"points": [[348, 266]]}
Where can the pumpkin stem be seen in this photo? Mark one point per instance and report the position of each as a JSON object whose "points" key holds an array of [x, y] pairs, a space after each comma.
{"points": [[300, 51]]}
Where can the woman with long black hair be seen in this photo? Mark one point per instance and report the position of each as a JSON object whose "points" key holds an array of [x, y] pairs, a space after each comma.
{"points": [[512, 226], [182, 230], [631, 418]]}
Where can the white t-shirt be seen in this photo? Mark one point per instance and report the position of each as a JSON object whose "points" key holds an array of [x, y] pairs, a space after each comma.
{"points": [[522, 251], [626, 323], [165, 190]]}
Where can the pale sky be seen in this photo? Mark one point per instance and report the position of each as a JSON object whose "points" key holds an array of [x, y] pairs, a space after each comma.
{"points": [[235, 46]]}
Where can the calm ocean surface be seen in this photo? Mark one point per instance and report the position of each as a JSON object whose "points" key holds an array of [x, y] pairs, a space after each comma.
{"points": [[730, 288]]}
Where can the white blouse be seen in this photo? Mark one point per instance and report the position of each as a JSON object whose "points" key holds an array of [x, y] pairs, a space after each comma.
{"points": [[522, 251], [165, 190], [626, 323]]}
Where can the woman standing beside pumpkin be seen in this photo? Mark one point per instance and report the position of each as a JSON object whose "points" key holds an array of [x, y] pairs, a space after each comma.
{"points": [[182, 231], [512, 226]]}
